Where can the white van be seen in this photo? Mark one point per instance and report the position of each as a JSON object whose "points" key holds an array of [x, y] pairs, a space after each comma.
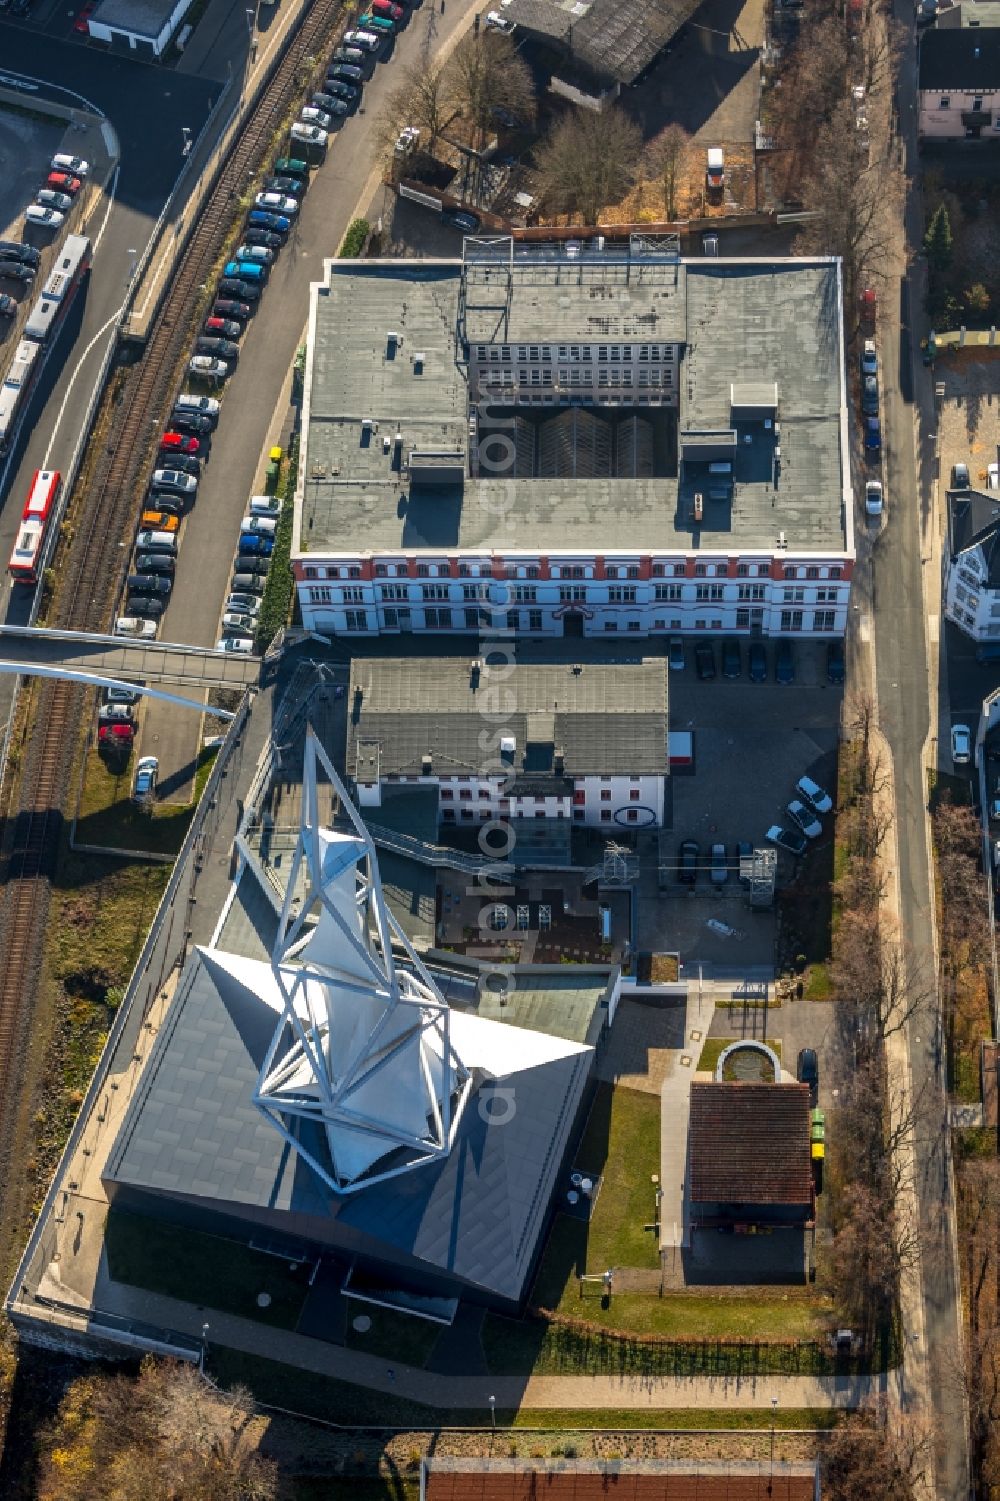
{"points": [[265, 505]]}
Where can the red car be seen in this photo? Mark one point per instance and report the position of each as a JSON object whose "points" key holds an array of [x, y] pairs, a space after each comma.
{"points": [[62, 182], [114, 733], [179, 443], [390, 11], [80, 24]]}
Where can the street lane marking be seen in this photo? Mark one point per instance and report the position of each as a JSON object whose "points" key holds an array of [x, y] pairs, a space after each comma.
{"points": [[866, 629], [933, 627]]}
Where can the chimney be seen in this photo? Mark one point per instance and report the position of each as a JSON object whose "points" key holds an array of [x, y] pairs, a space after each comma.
{"points": [[426, 764], [559, 760]]}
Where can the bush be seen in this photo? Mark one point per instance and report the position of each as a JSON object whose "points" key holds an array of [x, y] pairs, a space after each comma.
{"points": [[277, 600], [354, 240]]}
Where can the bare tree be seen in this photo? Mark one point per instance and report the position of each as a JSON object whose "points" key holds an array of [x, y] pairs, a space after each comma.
{"points": [[874, 1456], [588, 161], [486, 76], [422, 99], [665, 157]]}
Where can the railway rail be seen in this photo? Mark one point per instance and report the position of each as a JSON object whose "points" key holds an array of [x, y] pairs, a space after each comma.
{"points": [[92, 574]]}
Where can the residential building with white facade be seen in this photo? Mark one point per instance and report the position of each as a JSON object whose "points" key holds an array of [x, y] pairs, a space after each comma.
{"points": [[585, 743], [971, 585], [958, 74], [575, 441]]}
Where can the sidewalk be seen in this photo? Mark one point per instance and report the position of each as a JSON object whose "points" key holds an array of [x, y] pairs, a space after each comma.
{"points": [[579, 1393]]}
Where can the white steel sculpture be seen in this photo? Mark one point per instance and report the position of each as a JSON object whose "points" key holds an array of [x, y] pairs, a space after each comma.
{"points": [[362, 1056]]}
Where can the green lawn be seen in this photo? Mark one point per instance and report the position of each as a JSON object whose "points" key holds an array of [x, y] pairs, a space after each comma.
{"points": [[622, 1141], [393, 1336], [819, 986], [107, 815], [714, 1046], [204, 1269]]}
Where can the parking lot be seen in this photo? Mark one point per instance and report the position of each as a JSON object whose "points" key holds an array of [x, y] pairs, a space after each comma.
{"points": [[27, 144], [752, 742]]}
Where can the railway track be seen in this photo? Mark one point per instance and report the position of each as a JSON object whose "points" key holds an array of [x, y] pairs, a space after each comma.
{"points": [[103, 508]]}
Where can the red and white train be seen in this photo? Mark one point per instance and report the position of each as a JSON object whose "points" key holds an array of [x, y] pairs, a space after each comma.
{"points": [[41, 332], [36, 518]]}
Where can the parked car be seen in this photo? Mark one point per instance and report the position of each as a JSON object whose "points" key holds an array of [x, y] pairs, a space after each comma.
{"points": [[223, 349], [204, 365], [869, 395], [459, 219], [8, 307], [50, 199], [353, 55], [292, 166], [157, 519], [336, 105], [225, 307], [719, 869], [74, 164], [62, 182], [156, 541], [185, 422], [688, 856], [202, 406], [241, 644], [176, 480], [869, 359], [122, 695], [223, 328], [248, 583], [180, 442], [17, 250], [960, 476], [146, 606], [144, 783], [255, 545], [732, 658], [277, 203], [236, 287], [262, 219], [114, 714], [786, 839], [873, 435], [961, 744], [264, 505], [258, 526], [243, 604], [259, 253], [294, 185], [874, 498], [496, 22], [807, 1068], [368, 41], [17, 271], [407, 140], [45, 218], [804, 818], [349, 77], [149, 583], [118, 735], [266, 237], [250, 566], [704, 661], [254, 273], [131, 625], [757, 662], [835, 662], [812, 793], [676, 657], [784, 662], [236, 623], [155, 562]]}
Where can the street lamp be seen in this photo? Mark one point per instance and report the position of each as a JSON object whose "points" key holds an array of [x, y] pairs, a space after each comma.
{"points": [[133, 256], [493, 1413], [186, 137], [204, 1348], [774, 1411]]}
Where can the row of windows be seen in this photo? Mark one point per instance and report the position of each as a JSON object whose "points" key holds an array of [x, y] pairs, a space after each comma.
{"points": [[464, 795], [560, 353], [471, 620], [466, 815], [810, 572], [574, 378], [618, 594]]}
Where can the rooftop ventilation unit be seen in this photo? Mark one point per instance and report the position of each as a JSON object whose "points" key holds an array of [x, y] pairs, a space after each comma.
{"points": [[418, 362], [426, 764], [508, 747]]}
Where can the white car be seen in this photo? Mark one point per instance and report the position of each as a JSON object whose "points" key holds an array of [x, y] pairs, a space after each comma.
{"points": [[874, 498], [786, 839], [366, 40], [241, 644], [255, 253], [496, 22], [201, 406], [407, 140], [961, 744], [812, 793], [49, 218], [313, 116], [235, 623], [277, 203], [309, 135], [75, 165], [265, 505], [805, 819], [203, 364], [258, 526], [174, 479], [144, 783], [131, 625], [243, 604]]}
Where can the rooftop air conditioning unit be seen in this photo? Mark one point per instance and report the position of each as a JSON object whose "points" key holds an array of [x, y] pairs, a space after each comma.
{"points": [[426, 763]]}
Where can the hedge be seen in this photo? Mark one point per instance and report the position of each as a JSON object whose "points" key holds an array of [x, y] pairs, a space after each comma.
{"points": [[354, 239], [277, 600]]}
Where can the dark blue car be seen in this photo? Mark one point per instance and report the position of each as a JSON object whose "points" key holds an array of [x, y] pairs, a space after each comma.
{"points": [[259, 219], [256, 546], [873, 435]]}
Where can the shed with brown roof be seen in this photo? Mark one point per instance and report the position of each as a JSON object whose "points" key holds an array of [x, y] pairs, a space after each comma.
{"points": [[748, 1154]]}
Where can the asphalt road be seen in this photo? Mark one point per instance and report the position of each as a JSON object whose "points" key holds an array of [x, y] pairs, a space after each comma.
{"points": [[254, 409], [897, 588]]}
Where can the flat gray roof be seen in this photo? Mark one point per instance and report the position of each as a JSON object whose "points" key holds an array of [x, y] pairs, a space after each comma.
{"points": [[740, 323], [606, 718], [145, 18]]}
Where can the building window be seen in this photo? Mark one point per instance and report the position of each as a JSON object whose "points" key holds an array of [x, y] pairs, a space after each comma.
{"points": [[513, 620], [472, 620], [700, 570], [634, 794], [793, 596], [437, 620], [620, 594], [394, 591], [572, 593], [791, 620], [611, 625], [945, 102], [310, 573], [525, 594], [667, 591], [680, 571], [812, 573], [752, 591], [763, 570], [632, 571], [322, 595], [354, 596], [977, 104], [605, 815], [633, 625], [534, 620], [579, 797], [836, 573], [708, 592], [823, 620], [357, 620]]}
